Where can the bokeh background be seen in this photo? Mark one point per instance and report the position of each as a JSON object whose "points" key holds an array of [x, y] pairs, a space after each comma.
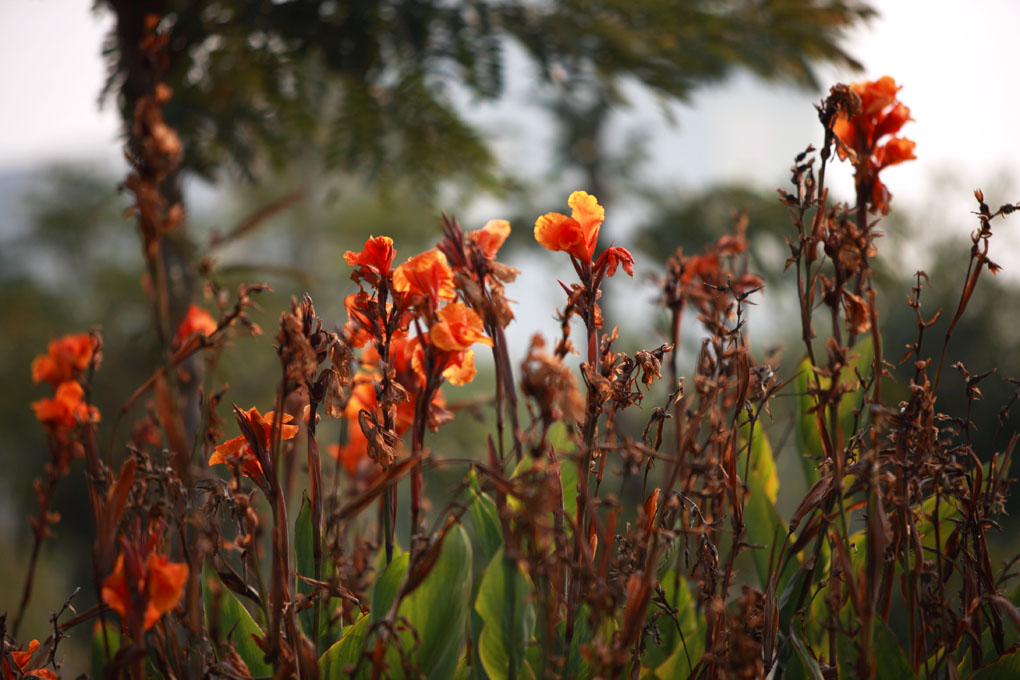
{"points": [[372, 117]]}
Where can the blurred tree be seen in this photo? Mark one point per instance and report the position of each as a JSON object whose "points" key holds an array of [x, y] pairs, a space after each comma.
{"points": [[375, 84]]}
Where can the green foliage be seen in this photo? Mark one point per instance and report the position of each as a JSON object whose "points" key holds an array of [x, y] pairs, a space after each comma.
{"points": [[345, 652], [682, 640], [1006, 668], [891, 663], [436, 610], [484, 519], [763, 525], [105, 645], [225, 613], [305, 554], [508, 618], [807, 383]]}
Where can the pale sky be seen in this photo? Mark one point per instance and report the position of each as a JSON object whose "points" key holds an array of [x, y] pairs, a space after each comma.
{"points": [[956, 60]]}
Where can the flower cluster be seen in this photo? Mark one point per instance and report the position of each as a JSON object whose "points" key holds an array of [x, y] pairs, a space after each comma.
{"points": [[861, 136], [248, 451], [62, 366], [144, 584], [23, 666], [700, 279], [399, 369]]}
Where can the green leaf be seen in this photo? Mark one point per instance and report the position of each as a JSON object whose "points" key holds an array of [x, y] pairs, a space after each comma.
{"points": [[809, 440], [809, 663], [669, 657], [1006, 668], [891, 662], [99, 647], [508, 617], [763, 463], [438, 608], [569, 481], [345, 652], [233, 621], [388, 584], [305, 560], [559, 438], [762, 523], [577, 666], [568, 477], [484, 518]]}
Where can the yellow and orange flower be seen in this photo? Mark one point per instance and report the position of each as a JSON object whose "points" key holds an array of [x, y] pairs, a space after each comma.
{"points": [[458, 328], [577, 234], [159, 587], [197, 320], [238, 451], [490, 237], [22, 659], [457, 368], [374, 259], [425, 276], [65, 357], [66, 408]]}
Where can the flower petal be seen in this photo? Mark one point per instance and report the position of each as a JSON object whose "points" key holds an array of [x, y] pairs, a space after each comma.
{"points": [[556, 232]]}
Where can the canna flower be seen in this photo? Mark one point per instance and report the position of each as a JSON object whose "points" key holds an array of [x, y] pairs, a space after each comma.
{"points": [[576, 234], [196, 321], [66, 408], [374, 260], [457, 368], [426, 276], [861, 134], [354, 454], [490, 237], [238, 450], [65, 356], [363, 317], [458, 328], [158, 587], [22, 667]]}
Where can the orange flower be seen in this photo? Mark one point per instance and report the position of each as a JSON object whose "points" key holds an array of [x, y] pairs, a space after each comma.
{"points": [[66, 409], [881, 115], [704, 267], [458, 368], [197, 320], [363, 319], [374, 260], [576, 234], [65, 356], [490, 237], [426, 275], [238, 448], [458, 328], [21, 661], [895, 151], [354, 454], [159, 586]]}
